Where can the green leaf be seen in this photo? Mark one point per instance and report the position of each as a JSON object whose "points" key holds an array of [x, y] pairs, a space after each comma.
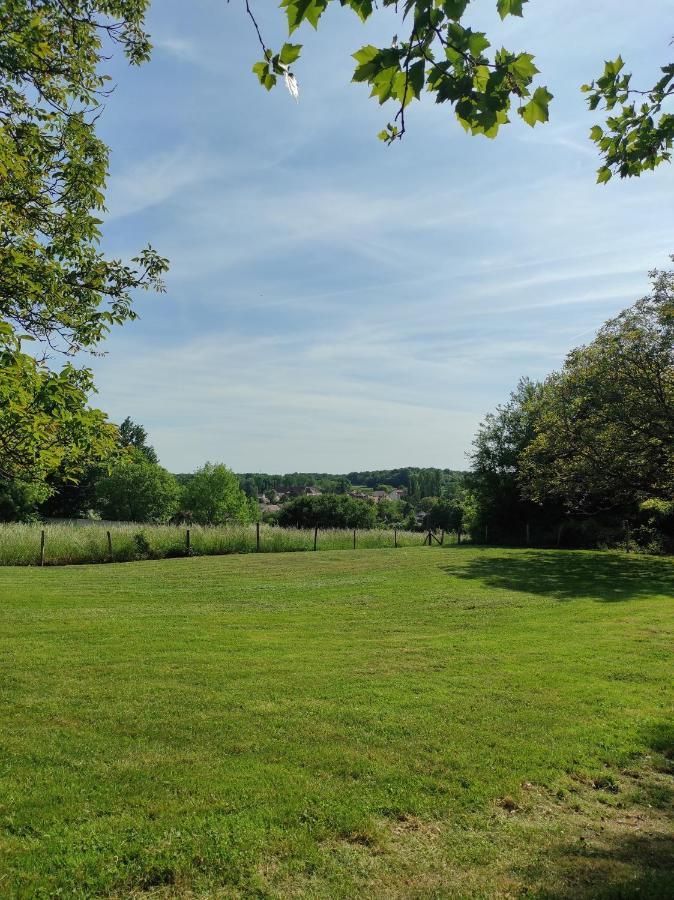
{"points": [[298, 11], [415, 81], [454, 9], [290, 53], [536, 110], [603, 175], [523, 67], [510, 7]]}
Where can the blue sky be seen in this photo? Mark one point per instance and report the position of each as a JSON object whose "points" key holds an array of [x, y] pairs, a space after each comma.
{"points": [[336, 304]]}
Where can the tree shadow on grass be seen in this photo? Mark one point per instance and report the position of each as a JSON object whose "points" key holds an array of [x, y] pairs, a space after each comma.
{"points": [[569, 575], [630, 851]]}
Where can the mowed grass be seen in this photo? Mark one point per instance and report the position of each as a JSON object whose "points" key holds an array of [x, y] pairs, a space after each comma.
{"points": [[424, 722]]}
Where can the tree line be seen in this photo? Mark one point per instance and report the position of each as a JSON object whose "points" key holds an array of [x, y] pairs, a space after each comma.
{"points": [[586, 457]]}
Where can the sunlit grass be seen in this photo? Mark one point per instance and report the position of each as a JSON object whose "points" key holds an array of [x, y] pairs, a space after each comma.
{"points": [[413, 723]]}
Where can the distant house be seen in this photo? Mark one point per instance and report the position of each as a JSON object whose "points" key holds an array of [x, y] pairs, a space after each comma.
{"points": [[378, 496], [303, 491]]}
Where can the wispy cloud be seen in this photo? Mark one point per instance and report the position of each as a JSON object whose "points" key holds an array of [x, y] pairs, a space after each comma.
{"points": [[335, 304]]}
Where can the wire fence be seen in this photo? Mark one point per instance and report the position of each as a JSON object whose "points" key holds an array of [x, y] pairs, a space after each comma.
{"points": [[63, 543]]}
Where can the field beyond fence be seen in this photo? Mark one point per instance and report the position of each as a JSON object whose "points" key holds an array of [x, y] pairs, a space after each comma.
{"points": [[94, 542]]}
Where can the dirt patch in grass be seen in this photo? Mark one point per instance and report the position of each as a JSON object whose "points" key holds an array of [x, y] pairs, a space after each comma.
{"points": [[593, 838]]}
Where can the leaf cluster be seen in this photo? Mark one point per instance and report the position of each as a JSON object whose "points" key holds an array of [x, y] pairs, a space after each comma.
{"points": [[639, 133], [439, 54]]}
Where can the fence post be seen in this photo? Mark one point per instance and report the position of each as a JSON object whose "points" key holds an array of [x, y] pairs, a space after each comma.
{"points": [[430, 538], [257, 537], [187, 541], [354, 538], [458, 536], [109, 544], [42, 547], [395, 537], [442, 538], [316, 537]]}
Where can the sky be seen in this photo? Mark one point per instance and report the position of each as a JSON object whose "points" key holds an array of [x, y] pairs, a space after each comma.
{"points": [[335, 304]]}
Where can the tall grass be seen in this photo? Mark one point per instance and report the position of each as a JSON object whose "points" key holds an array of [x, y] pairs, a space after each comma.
{"points": [[87, 542]]}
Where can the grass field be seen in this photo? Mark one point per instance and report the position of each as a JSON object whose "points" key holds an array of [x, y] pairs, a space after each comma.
{"points": [[445, 722], [87, 542]]}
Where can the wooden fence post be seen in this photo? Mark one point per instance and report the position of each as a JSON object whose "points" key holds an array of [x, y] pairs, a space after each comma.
{"points": [[187, 541], [109, 544], [395, 537], [458, 536], [430, 538], [442, 538], [354, 538], [42, 548], [316, 537], [257, 537]]}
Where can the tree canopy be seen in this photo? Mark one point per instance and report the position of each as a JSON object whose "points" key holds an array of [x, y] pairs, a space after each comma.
{"points": [[137, 490], [57, 288], [593, 445], [435, 50], [212, 496]]}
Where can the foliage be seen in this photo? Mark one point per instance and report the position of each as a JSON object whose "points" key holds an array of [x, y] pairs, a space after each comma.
{"points": [[137, 490], [56, 286], [605, 423], [213, 496], [45, 422], [135, 436], [638, 135], [500, 511], [446, 515], [19, 501], [391, 512], [441, 54], [328, 511]]}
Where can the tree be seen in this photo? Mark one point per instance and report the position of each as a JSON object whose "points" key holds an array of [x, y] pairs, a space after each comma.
{"points": [[502, 438], [19, 501], [137, 490], [447, 515], [45, 422], [135, 436], [328, 511], [605, 427], [440, 53], [213, 497], [56, 286]]}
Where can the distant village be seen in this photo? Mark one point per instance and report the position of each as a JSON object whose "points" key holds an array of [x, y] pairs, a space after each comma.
{"points": [[270, 501]]}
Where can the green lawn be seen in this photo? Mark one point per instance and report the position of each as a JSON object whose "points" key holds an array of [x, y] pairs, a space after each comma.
{"points": [[445, 722]]}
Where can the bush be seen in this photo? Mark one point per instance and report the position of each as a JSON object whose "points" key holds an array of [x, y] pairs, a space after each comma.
{"points": [[328, 511]]}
